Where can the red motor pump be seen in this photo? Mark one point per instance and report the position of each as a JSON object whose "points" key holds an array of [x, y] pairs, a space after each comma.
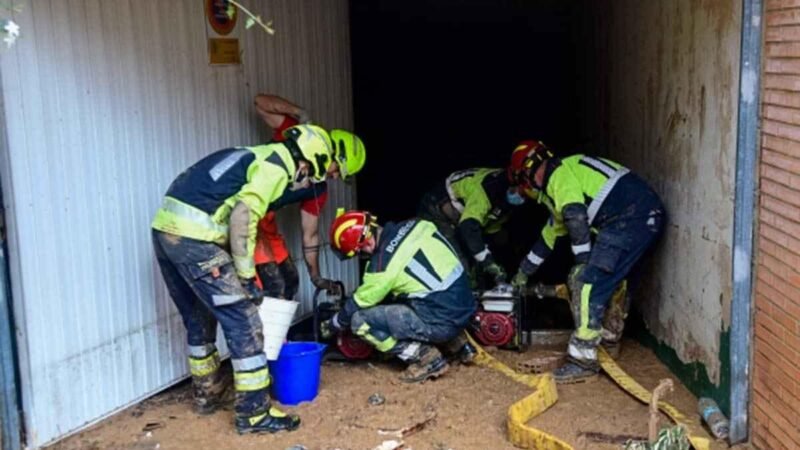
{"points": [[498, 319]]}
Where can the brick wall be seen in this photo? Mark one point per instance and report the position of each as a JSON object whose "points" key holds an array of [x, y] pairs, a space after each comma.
{"points": [[776, 356]]}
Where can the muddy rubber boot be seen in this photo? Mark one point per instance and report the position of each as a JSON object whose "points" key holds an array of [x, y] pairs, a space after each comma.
{"points": [[460, 349], [272, 421], [574, 371], [430, 364], [211, 392]]}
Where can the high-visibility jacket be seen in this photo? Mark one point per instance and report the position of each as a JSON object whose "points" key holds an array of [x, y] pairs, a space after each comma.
{"points": [[198, 203], [574, 180], [479, 196], [412, 261]]}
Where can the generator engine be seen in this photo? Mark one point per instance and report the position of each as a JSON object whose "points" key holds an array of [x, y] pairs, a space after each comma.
{"points": [[498, 320]]}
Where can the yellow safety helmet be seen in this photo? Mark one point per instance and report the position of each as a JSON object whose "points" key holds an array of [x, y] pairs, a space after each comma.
{"points": [[311, 144], [348, 152]]}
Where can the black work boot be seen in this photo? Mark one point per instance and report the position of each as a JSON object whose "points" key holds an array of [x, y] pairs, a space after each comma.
{"points": [[272, 421], [428, 364], [211, 391], [576, 371], [581, 365]]}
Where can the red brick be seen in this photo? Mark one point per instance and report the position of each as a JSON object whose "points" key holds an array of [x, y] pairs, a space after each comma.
{"points": [[789, 33], [783, 82], [782, 114], [772, 5], [767, 344], [783, 17], [779, 418], [786, 295], [776, 323], [758, 438], [762, 415], [783, 366], [778, 236], [775, 372], [783, 162], [785, 193], [780, 207], [781, 98], [788, 226], [781, 129], [768, 329], [773, 298], [760, 386], [782, 264], [788, 66]]}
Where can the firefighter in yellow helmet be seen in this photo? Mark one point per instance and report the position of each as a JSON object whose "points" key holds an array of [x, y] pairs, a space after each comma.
{"points": [[204, 237], [276, 270]]}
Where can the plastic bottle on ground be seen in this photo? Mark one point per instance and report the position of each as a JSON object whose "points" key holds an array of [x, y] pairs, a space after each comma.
{"points": [[713, 417]]}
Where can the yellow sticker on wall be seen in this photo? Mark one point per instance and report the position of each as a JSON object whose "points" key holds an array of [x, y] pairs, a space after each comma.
{"points": [[224, 51]]}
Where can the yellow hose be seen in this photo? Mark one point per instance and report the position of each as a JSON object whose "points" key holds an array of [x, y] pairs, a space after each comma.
{"points": [[630, 386], [522, 411], [545, 395]]}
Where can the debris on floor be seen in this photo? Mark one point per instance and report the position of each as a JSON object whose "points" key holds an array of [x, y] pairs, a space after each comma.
{"points": [[470, 406]]}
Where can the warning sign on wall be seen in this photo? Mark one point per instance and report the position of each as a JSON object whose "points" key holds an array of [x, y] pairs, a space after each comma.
{"points": [[223, 39]]}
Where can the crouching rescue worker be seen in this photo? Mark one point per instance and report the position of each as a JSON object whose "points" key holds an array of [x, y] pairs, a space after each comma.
{"points": [[585, 195], [204, 235], [466, 205], [276, 270], [415, 264]]}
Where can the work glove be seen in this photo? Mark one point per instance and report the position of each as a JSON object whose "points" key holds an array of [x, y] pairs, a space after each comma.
{"points": [[494, 270], [330, 327], [520, 281], [332, 287], [253, 292]]}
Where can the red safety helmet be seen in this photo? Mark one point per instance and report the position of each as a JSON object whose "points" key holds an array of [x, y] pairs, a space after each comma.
{"points": [[525, 159], [349, 232]]}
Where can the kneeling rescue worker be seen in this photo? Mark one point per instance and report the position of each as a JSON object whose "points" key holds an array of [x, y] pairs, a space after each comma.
{"points": [[463, 207], [204, 235], [415, 264], [584, 195]]}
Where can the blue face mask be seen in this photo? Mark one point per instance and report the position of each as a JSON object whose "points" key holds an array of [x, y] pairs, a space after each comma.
{"points": [[513, 197]]}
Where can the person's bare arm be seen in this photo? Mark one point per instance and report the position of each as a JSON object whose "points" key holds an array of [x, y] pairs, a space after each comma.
{"points": [[310, 225], [273, 109]]}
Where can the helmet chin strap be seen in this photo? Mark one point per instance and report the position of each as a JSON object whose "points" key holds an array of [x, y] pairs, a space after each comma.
{"points": [[301, 180]]}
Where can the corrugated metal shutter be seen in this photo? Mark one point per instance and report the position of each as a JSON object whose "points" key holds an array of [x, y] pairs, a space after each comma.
{"points": [[105, 103]]}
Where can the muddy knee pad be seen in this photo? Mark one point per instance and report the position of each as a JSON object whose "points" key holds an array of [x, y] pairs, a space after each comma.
{"points": [[271, 279], [575, 284], [378, 338], [291, 279], [358, 323], [616, 313]]}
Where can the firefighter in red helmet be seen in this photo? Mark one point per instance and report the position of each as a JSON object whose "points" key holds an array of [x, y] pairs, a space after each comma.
{"points": [[412, 262]]}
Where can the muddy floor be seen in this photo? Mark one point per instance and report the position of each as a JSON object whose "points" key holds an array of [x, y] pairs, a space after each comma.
{"points": [[469, 404]]}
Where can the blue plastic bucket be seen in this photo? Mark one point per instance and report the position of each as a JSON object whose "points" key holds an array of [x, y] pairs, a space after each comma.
{"points": [[295, 374]]}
